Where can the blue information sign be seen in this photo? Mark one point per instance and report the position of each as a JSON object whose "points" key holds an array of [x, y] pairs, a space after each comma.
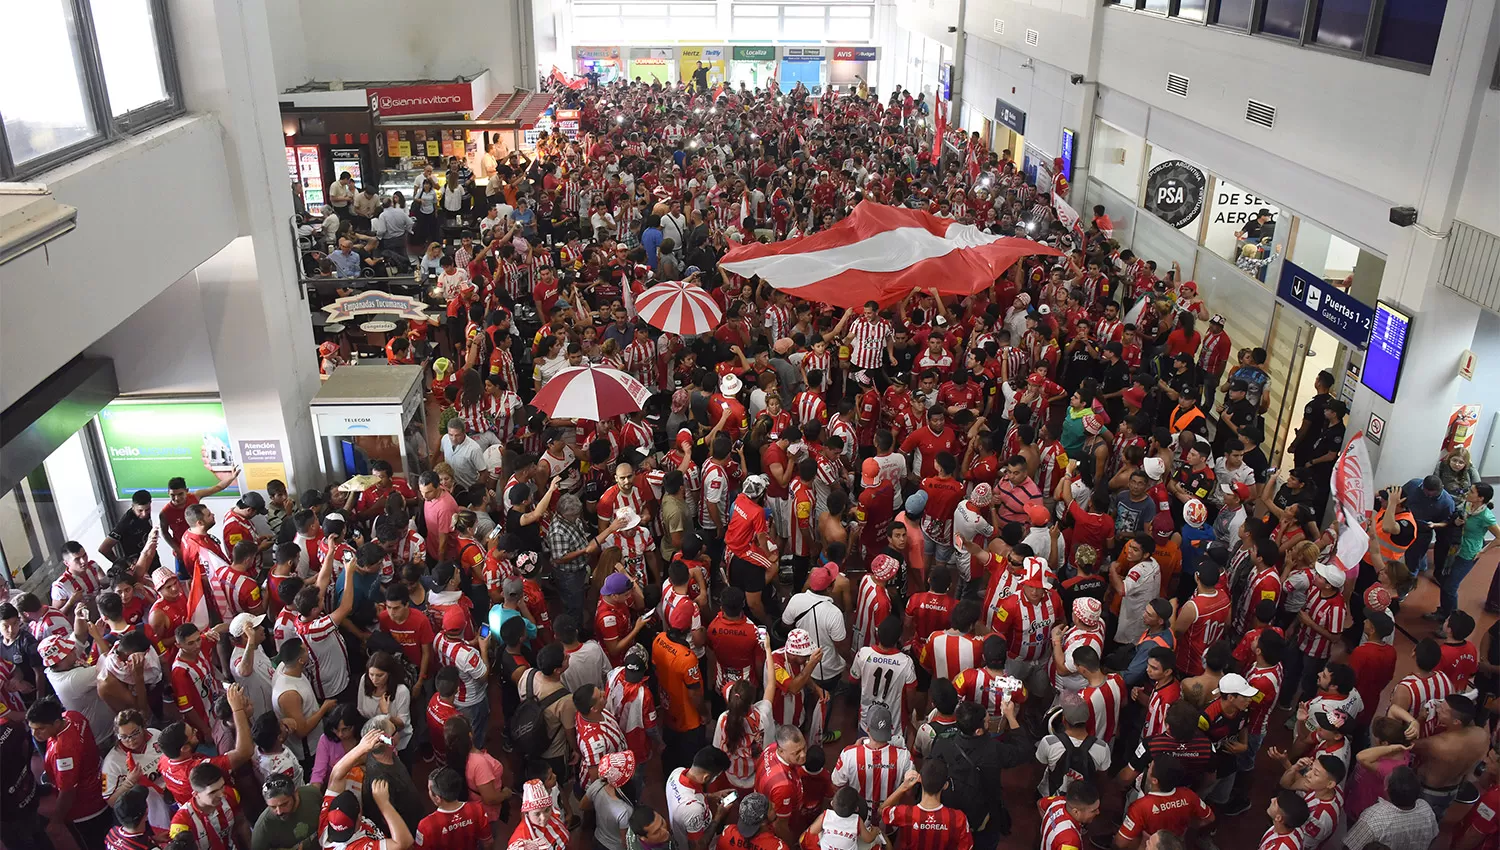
{"points": [[1387, 347], [1334, 309]]}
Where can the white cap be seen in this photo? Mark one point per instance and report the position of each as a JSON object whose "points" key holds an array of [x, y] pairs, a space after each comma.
{"points": [[1154, 467], [243, 623], [1331, 574], [1233, 684]]}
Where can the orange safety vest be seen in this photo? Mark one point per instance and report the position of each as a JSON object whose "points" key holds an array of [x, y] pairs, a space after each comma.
{"points": [[1390, 550], [1181, 421], [1147, 637]]}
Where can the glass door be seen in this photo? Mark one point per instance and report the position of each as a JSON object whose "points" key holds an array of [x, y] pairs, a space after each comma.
{"points": [[1290, 338]]}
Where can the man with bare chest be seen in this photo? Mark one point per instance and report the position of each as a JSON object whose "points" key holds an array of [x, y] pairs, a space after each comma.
{"points": [[1445, 760]]}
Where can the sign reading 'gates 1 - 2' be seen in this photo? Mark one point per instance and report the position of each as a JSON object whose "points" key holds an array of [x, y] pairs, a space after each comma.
{"points": [[421, 100]]}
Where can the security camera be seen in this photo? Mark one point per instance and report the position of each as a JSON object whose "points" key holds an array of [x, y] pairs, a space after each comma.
{"points": [[1403, 216], [1075, 79]]}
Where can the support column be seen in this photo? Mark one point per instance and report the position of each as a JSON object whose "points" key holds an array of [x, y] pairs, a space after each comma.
{"points": [[253, 306]]}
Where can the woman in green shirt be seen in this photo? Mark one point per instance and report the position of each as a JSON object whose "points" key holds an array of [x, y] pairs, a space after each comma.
{"points": [[1478, 523]]}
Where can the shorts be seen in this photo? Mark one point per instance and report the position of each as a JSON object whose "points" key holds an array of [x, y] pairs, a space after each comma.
{"points": [[781, 515], [747, 575]]}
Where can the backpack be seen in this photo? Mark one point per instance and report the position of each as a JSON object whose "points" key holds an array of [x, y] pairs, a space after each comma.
{"points": [[1076, 765], [528, 727]]}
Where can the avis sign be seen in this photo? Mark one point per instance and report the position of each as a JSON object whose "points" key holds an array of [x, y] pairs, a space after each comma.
{"points": [[421, 100], [1341, 313]]}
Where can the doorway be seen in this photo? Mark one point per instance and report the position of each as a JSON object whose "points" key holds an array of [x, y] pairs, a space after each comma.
{"points": [[1324, 353]]}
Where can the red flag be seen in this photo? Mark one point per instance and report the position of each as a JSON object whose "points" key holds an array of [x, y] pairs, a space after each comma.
{"points": [[940, 126], [718, 92], [198, 599]]}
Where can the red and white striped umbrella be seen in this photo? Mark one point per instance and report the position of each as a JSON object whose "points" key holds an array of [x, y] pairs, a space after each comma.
{"points": [[591, 392], [679, 307]]}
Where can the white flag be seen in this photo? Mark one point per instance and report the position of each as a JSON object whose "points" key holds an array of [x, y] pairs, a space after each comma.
{"points": [[1353, 502]]}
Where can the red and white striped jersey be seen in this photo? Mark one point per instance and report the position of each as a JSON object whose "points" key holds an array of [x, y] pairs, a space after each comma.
{"points": [[981, 685], [635, 434], [873, 769], [789, 708], [634, 708], [327, 657], [1274, 841], [632, 543], [1017, 361], [641, 361], [195, 684], [1322, 820], [210, 829], [1162, 698], [1005, 583], [1330, 612], [1104, 702], [742, 757], [1424, 693], [1028, 626], [232, 590], [50, 621], [715, 492], [479, 416], [1266, 680], [473, 686], [597, 740], [868, 338], [872, 604], [808, 406], [779, 319], [285, 625], [1074, 639], [945, 655], [838, 425], [823, 362], [1059, 830], [85, 582]]}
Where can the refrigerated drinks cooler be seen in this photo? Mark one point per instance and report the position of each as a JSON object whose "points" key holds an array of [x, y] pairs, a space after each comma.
{"points": [[348, 159], [309, 178]]}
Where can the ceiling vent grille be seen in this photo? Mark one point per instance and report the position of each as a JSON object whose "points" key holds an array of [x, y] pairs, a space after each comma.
{"points": [[1032, 37], [1177, 84], [999, 27], [1263, 114]]}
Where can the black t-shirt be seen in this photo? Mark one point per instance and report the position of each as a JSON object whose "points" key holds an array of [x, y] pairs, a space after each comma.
{"points": [[1330, 441], [1199, 483], [1195, 754], [130, 533], [1246, 417], [906, 358], [1082, 585], [530, 536], [1254, 230]]}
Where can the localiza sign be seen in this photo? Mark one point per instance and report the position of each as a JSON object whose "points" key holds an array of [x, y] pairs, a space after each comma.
{"points": [[421, 100]]}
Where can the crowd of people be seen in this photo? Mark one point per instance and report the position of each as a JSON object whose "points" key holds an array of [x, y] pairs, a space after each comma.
{"points": [[847, 570]]}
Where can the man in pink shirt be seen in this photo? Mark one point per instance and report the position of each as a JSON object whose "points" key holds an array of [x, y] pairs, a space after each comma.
{"points": [[438, 508]]}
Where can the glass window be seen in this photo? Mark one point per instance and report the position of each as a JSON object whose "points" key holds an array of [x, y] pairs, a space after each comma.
{"points": [[1341, 24], [851, 11], [1283, 18], [128, 50], [756, 28], [1234, 13], [1337, 260], [1115, 159], [1193, 10], [1160, 7], [42, 92], [1409, 30], [745, 11], [804, 11], [1235, 231]]}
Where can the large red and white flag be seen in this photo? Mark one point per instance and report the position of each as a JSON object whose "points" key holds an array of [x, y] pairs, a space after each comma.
{"points": [[1068, 216], [1353, 502], [881, 253], [197, 601]]}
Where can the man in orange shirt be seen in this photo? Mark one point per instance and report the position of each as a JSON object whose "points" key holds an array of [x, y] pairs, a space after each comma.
{"points": [[681, 690]]}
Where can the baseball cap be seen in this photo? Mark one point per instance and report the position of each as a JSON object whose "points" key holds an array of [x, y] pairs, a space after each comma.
{"points": [[1037, 514], [799, 642], [916, 503], [1242, 491], [343, 817], [244, 622], [680, 617], [1085, 553], [1238, 385], [1331, 574], [821, 577], [312, 498], [513, 588], [878, 723], [161, 576], [1332, 720], [616, 584], [252, 501], [1234, 684], [1162, 526], [869, 472], [454, 619], [1216, 319], [754, 810], [1074, 710], [635, 665]]}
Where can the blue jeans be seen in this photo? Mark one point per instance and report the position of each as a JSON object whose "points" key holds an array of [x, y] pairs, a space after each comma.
{"points": [[937, 553], [1458, 568], [572, 590], [479, 719]]}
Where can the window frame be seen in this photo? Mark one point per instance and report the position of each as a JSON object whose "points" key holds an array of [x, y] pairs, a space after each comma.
{"points": [[110, 128], [1307, 39]]}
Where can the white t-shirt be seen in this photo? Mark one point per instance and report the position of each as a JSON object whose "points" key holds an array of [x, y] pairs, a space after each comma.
{"points": [[115, 766], [826, 625], [257, 685], [400, 707], [882, 677], [77, 689], [284, 763], [282, 683], [1049, 751], [839, 833]]}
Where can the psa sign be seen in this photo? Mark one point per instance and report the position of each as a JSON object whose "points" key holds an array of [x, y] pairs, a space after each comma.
{"points": [[421, 100], [1174, 192], [1334, 309]]}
